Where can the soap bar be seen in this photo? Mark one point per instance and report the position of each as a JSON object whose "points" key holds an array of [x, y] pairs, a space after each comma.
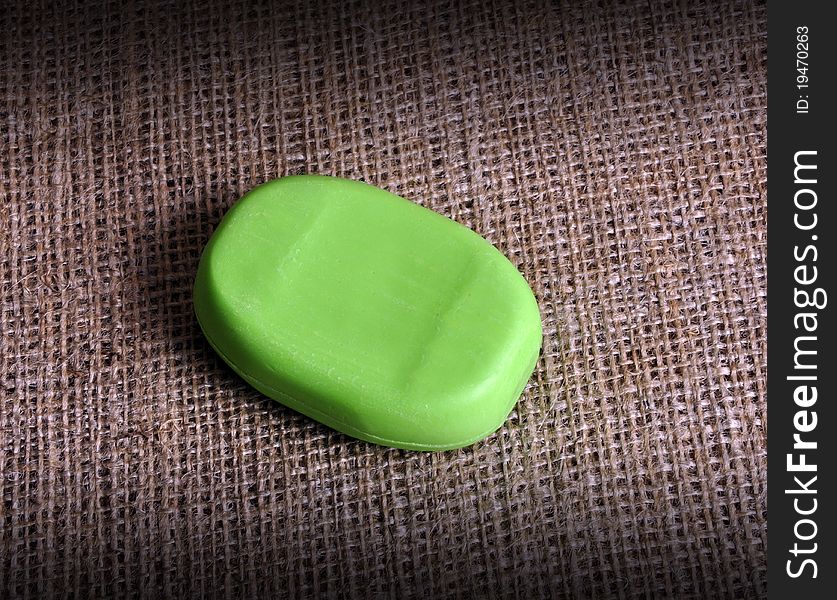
{"points": [[367, 312]]}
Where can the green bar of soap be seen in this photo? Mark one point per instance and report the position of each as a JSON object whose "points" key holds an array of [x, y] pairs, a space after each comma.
{"points": [[368, 313]]}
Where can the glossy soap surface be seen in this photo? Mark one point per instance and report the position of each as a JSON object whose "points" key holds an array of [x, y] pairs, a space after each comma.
{"points": [[368, 313]]}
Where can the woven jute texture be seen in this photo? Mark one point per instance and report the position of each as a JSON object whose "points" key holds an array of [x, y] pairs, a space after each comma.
{"points": [[615, 152]]}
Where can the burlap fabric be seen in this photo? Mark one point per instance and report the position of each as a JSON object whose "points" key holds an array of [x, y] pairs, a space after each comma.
{"points": [[614, 152]]}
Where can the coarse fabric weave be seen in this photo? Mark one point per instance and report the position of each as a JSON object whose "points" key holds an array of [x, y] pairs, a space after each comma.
{"points": [[615, 152]]}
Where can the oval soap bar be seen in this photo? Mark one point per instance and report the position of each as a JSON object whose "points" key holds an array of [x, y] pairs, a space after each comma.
{"points": [[368, 313]]}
